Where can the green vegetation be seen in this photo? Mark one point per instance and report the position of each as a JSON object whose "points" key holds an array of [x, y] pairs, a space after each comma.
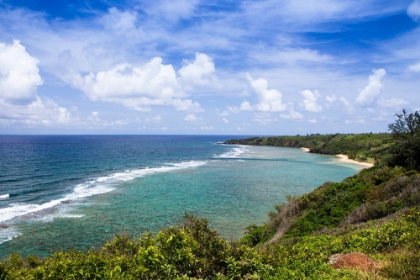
{"points": [[406, 132], [375, 212], [363, 147]]}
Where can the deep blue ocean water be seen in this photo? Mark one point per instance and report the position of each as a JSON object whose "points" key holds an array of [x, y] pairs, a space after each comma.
{"points": [[65, 192]]}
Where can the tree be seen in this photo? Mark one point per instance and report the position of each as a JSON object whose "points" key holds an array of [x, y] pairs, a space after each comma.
{"points": [[406, 132]]}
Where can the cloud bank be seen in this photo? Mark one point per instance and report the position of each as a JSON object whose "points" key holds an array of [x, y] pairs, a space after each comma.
{"points": [[140, 87]]}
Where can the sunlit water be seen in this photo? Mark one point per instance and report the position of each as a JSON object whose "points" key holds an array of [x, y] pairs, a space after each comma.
{"points": [[65, 192]]}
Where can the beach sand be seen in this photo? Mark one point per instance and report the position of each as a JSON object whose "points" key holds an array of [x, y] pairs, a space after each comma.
{"points": [[344, 158]]}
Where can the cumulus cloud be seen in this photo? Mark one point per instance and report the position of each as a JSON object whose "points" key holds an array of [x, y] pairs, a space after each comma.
{"points": [[139, 87], [313, 121], [369, 94], [309, 103], [19, 74], [199, 72], [19, 101], [413, 10], [270, 100], [245, 106]]}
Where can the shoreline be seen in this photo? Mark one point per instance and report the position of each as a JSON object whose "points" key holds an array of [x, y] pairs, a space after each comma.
{"points": [[345, 159]]}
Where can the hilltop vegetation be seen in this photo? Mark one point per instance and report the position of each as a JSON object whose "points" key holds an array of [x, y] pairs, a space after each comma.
{"points": [[375, 212], [363, 147]]}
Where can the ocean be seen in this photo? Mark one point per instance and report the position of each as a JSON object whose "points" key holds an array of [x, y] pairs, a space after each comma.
{"points": [[77, 192]]}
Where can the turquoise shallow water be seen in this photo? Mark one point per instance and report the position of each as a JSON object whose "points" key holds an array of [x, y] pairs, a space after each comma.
{"points": [[64, 192]]}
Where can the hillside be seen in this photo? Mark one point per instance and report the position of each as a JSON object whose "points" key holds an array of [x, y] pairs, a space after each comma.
{"points": [[375, 212]]}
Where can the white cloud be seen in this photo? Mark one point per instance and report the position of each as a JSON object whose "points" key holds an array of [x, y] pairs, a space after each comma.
{"points": [[19, 74], [234, 110], [307, 13], [19, 101], [136, 87], [270, 100], [414, 9], [414, 68], [171, 9], [123, 22], [120, 122], [224, 113], [191, 118], [94, 117], [225, 120], [292, 113], [347, 105], [290, 56], [308, 10], [359, 121], [313, 121], [206, 128], [199, 72], [369, 94], [42, 111], [264, 118], [246, 106], [331, 99], [392, 103], [309, 103], [154, 119]]}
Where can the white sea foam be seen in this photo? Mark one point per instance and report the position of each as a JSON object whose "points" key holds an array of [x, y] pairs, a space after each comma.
{"points": [[97, 186], [233, 152], [4, 196], [8, 233]]}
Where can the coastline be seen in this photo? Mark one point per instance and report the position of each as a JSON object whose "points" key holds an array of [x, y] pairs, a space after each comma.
{"points": [[345, 158]]}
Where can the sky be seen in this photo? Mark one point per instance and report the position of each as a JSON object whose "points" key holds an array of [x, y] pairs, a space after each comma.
{"points": [[266, 67]]}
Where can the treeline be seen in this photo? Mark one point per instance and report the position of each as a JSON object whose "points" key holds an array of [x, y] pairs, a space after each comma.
{"points": [[374, 148]]}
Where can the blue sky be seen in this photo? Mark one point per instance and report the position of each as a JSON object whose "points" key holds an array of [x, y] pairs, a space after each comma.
{"points": [[264, 67]]}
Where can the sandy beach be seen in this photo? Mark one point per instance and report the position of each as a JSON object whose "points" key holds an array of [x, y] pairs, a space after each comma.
{"points": [[344, 158]]}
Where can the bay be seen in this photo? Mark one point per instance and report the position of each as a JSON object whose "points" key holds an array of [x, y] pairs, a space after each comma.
{"points": [[77, 192]]}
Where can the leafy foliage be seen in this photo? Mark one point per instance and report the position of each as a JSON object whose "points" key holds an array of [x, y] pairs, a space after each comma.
{"points": [[406, 132]]}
